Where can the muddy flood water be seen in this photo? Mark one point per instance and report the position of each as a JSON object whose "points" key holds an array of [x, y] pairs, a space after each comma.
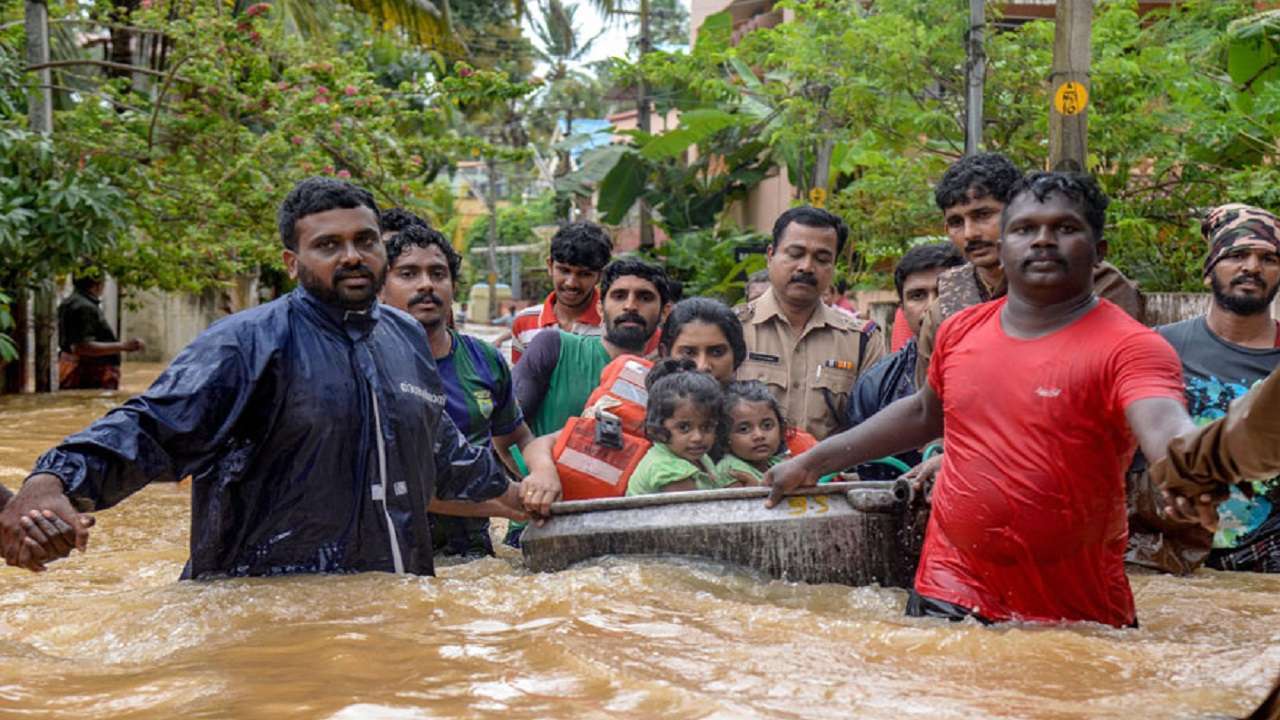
{"points": [[113, 634]]}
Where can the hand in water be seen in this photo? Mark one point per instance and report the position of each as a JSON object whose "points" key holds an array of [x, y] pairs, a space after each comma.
{"points": [[922, 477], [539, 491], [38, 525], [1202, 509], [786, 477], [48, 537]]}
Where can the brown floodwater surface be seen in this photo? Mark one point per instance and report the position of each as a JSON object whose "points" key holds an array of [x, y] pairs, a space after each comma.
{"points": [[112, 633]]}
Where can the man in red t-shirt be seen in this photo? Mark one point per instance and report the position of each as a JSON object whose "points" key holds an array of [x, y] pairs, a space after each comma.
{"points": [[1039, 397], [579, 252]]}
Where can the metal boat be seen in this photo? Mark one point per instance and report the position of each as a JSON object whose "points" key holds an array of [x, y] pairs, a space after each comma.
{"points": [[853, 533]]}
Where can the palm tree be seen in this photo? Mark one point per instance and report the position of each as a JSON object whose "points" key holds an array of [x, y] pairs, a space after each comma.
{"points": [[426, 22], [557, 34], [570, 93]]}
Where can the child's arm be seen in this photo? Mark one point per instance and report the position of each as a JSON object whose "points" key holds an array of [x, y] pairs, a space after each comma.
{"points": [[679, 486], [741, 479]]}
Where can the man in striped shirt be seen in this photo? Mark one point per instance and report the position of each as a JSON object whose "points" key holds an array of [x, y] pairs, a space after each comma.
{"points": [[579, 252]]}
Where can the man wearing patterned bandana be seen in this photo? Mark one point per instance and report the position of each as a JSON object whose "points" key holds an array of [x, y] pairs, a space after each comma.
{"points": [[1224, 353]]}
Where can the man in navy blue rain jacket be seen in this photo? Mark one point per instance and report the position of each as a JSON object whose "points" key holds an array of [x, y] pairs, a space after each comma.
{"points": [[312, 426]]}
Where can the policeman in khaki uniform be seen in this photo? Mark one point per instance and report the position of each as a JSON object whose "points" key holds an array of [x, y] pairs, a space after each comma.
{"points": [[809, 354]]}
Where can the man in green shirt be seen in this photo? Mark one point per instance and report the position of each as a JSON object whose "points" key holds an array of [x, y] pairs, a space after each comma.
{"points": [[559, 370]]}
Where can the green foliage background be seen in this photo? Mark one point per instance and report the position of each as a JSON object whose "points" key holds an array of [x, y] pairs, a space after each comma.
{"points": [[880, 88]]}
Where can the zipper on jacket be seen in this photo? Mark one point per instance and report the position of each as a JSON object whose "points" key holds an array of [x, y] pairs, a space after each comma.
{"points": [[382, 479]]}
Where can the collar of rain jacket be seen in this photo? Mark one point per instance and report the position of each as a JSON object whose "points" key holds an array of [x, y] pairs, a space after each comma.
{"points": [[354, 324]]}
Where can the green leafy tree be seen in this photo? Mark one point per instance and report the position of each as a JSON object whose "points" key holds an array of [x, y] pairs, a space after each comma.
{"points": [[866, 100], [242, 111]]}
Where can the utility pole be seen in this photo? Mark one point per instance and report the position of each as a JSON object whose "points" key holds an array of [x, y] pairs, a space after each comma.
{"points": [[642, 117], [975, 75], [1069, 86], [40, 372], [491, 199]]}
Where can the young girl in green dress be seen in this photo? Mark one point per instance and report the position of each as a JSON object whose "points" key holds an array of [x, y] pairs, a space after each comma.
{"points": [[756, 433], [683, 420]]}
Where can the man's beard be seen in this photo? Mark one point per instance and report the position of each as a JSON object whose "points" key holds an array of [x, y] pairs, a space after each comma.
{"points": [[337, 297], [631, 338], [1237, 305]]}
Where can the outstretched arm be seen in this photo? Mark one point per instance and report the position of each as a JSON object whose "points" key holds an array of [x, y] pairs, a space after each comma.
{"points": [[167, 432], [903, 425], [94, 348], [1156, 422], [1243, 445]]}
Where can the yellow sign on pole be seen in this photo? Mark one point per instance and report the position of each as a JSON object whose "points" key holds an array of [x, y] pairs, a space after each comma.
{"points": [[818, 197], [1071, 98]]}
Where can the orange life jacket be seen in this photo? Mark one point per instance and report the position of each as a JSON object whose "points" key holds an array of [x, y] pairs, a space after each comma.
{"points": [[621, 393], [589, 468], [798, 441]]}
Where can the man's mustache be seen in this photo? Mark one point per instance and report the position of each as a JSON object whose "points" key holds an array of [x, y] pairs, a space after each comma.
{"points": [[1044, 257], [805, 278], [629, 317], [425, 297], [346, 273], [1243, 278]]}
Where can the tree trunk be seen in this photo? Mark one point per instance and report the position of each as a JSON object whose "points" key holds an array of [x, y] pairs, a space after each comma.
{"points": [[642, 121], [491, 199], [975, 76], [122, 39], [38, 337]]}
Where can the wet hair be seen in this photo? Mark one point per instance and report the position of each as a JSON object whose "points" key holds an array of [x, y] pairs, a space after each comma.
{"points": [[317, 195], [925, 257], [639, 268], [672, 382], [711, 312], [397, 219], [754, 391], [810, 217], [423, 236], [1080, 188], [582, 244], [984, 175]]}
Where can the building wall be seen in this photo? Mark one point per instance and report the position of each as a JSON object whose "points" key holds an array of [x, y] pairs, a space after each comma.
{"points": [[168, 322]]}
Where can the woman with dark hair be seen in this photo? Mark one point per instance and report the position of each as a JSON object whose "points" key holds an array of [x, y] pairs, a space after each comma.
{"points": [[707, 333]]}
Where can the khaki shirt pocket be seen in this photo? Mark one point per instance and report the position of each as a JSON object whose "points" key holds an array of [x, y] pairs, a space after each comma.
{"points": [[775, 376], [828, 400]]}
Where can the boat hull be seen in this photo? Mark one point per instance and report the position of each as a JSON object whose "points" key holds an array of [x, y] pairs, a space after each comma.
{"points": [[857, 533]]}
